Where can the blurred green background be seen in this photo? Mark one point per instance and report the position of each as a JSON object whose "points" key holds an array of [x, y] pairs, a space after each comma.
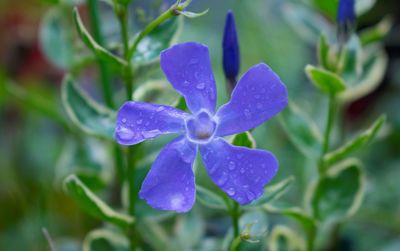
{"points": [[36, 150]]}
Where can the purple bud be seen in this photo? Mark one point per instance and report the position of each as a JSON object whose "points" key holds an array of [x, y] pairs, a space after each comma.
{"points": [[231, 54], [346, 19]]}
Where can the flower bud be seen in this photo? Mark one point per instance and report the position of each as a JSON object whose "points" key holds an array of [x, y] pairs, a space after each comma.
{"points": [[346, 20], [231, 54]]}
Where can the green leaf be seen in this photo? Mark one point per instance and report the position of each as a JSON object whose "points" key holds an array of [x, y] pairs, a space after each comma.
{"points": [[306, 22], [323, 52], [93, 205], [156, 91], [180, 103], [105, 240], [85, 113], [89, 159], [189, 230], [272, 192], [376, 33], [352, 61], [156, 236], [189, 14], [283, 238], [245, 139], [358, 142], [299, 215], [37, 100], [375, 62], [339, 193], [55, 38], [97, 49], [161, 38], [302, 131], [209, 198], [324, 80]]}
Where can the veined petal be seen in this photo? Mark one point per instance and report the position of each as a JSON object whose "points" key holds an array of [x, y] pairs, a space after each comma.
{"points": [[187, 67], [138, 121], [239, 171], [258, 96], [170, 184]]}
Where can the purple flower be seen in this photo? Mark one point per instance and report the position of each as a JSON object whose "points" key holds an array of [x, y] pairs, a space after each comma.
{"points": [[230, 46], [346, 19], [239, 171]]}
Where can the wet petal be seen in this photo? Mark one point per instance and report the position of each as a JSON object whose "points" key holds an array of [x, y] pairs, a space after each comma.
{"points": [[239, 171], [187, 67], [258, 96], [170, 183], [138, 121]]}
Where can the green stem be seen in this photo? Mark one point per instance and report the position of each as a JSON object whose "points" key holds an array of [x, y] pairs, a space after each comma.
{"points": [[235, 215], [328, 130], [149, 28], [105, 78]]}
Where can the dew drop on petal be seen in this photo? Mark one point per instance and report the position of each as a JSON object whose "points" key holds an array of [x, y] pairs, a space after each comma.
{"points": [[161, 108], [123, 120], [125, 133], [223, 179], [186, 83], [231, 191], [250, 195], [242, 170], [200, 86], [247, 113], [231, 165], [259, 106], [139, 121], [151, 133], [177, 201]]}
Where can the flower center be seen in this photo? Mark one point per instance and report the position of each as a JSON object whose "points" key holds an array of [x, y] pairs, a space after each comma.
{"points": [[200, 128]]}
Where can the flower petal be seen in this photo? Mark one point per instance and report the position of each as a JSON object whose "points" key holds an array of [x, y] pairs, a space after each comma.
{"points": [[258, 96], [170, 183], [187, 67], [138, 121], [239, 171]]}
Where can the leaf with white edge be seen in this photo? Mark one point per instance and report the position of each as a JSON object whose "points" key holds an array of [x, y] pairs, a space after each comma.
{"points": [[352, 61], [301, 130], [306, 22], [189, 14], [105, 239], [189, 230], [299, 215], [209, 198], [54, 30], [93, 205], [149, 48], [358, 142], [97, 49], [323, 52], [375, 61], [156, 91], [376, 33], [253, 226], [85, 113], [156, 236], [324, 80], [339, 193], [283, 238], [272, 192], [245, 139]]}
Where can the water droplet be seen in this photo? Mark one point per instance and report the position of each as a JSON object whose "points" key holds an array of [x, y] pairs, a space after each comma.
{"points": [[240, 199], [161, 108], [186, 83], [125, 133], [259, 106], [239, 156], [242, 170], [257, 96], [177, 201], [139, 122], [231, 191], [123, 120], [250, 195], [245, 186], [247, 113], [223, 179], [213, 169], [193, 61], [151, 133], [231, 165], [200, 86], [257, 179]]}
